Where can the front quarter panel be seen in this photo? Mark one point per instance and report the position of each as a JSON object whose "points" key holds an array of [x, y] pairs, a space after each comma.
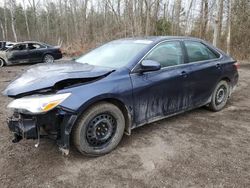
{"points": [[3, 56], [115, 86]]}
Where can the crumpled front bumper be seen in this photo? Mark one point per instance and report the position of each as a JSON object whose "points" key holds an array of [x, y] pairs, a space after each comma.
{"points": [[23, 127], [57, 124]]}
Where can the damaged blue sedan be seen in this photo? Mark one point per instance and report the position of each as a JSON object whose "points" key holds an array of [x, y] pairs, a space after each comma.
{"points": [[93, 100]]}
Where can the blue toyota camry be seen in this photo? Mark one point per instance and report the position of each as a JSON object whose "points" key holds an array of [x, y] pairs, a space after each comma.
{"points": [[95, 99]]}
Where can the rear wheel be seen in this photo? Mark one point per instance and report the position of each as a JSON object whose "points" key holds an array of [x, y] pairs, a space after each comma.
{"points": [[220, 96], [2, 62], [48, 58], [99, 130]]}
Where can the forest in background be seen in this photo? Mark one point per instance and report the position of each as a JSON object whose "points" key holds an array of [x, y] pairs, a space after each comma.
{"points": [[78, 25]]}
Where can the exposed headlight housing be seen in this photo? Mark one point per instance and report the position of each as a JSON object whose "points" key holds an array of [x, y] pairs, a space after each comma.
{"points": [[38, 104]]}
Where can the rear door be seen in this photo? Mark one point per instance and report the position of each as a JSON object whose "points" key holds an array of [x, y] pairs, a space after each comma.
{"points": [[35, 51], [159, 93], [205, 71]]}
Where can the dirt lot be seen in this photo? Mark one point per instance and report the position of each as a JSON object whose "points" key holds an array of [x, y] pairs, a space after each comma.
{"points": [[196, 149]]}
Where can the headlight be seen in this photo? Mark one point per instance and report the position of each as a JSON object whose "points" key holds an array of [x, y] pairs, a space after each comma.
{"points": [[38, 104]]}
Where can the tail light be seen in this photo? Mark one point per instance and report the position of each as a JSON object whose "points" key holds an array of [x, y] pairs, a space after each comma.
{"points": [[237, 65]]}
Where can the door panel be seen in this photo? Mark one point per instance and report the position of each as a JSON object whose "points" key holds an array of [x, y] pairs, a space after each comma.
{"points": [[205, 70], [35, 52], [203, 78], [18, 54], [160, 93]]}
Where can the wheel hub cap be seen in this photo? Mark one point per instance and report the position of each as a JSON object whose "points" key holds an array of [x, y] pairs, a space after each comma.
{"points": [[221, 94], [100, 130], [48, 59]]}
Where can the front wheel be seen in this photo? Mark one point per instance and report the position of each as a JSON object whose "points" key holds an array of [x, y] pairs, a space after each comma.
{"points": [[99, 130], [48, 58], [220, 96]]}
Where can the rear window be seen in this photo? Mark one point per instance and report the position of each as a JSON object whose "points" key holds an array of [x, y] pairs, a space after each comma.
{"points": [[197, 51]]}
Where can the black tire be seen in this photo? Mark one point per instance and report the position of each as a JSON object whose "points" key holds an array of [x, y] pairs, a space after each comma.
{"points": [[2, 63], [48, 58], [85, 133], [219, 96]]}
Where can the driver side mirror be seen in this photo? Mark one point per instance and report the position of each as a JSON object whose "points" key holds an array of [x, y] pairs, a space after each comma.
{"points": [[149, 65]]}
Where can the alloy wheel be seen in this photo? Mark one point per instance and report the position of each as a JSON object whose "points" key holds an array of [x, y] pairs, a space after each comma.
{"points": [[48, 58]]}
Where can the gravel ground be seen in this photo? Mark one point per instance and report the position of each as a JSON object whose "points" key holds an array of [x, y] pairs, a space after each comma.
{"points": [[195, 149]]}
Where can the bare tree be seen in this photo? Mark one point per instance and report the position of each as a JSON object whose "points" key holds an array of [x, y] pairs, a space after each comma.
{"points": [[13, 19], [5, 20], [34, 4], [204, 18], [229, 15], [177, 15], [2, 29], [218, 20], [26, 19], [187, 16]]}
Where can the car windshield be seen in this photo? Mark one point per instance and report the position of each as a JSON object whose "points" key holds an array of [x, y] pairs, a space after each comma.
{"points": [[114, 54]]}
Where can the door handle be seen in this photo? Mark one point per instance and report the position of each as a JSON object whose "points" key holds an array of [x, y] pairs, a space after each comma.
{"points": [[184, 74]]}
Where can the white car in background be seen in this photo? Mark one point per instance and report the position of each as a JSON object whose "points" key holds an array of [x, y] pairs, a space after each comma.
{"points": [[4, 45]]}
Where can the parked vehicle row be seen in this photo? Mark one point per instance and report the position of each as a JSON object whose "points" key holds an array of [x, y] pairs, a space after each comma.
{"points": [[117, 87], [28, 52]]}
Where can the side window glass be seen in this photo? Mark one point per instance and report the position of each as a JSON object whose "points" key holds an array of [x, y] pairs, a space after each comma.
{"points": [[38, 46], [31, 46], [19, 47], [197, 51], [167, 54], [15, 48]]}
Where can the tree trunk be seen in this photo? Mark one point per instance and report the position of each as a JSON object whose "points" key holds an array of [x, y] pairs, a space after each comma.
{"points": [[201, 18], [204, 18], [229, 26], [204, 29], [13, 19], [5, 21], [26, 20], [33, 4], [147, 5], [155, 18], [187, 17], [2, 28], [216, 24], [177, 17], [220, 21]]}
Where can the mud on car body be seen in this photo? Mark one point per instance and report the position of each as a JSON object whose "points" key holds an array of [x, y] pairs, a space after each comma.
{"points": [[121, 85]]}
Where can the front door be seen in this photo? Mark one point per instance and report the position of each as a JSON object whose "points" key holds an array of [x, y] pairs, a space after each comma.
{"points": [[160, 93], [18, 54]]}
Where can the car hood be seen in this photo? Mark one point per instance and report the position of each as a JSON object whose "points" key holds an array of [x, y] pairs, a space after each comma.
{"points": [[47, 76]]}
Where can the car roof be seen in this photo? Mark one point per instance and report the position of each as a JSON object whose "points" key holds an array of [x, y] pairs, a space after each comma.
{"points": [[27, 42], [159, 38]]}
